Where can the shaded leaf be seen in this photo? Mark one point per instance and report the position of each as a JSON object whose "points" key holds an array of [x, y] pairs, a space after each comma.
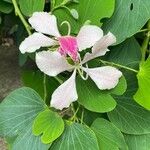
{"points": [[5, 7], [108, 135]]}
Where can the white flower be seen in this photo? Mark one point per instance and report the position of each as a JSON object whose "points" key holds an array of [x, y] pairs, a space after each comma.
{"points": [[53, 63]]}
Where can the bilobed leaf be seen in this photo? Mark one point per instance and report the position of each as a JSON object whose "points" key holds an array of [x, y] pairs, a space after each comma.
{"points": [[138, 142], [5, 7], [108, 135], [92, 98], [75, 137], [28, 7], [49, 124], [27, 141], [128, 18], [18, 110], [142, 95], [87, 10]]}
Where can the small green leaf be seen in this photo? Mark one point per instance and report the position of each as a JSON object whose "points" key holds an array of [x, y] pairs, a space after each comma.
{"points": [[94, 99], [74, 13], [49, 124], [142, 95], [76, 137], [28, 7], [108, 135], [5, 7]]}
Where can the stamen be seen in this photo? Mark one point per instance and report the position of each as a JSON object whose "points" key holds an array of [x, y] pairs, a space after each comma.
{"points": [[68, 25]]}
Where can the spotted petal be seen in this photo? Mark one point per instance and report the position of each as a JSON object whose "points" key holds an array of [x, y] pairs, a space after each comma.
{"points": [[35, 41], [88, 36], [65, 94], [106, 77], [100, 47], [52, 63], [45, 23]]}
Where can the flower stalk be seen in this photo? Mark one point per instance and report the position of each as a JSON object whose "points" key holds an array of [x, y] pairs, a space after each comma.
{"points": [[18, 13]]}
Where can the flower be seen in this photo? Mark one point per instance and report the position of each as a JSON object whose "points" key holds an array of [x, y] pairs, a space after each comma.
{"points": [[54, 62]]}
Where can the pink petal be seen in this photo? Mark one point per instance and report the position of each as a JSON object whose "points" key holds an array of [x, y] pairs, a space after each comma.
{"points": [[65, 94], [106, 77], [88, 36], [68, 45], [52, 63]]}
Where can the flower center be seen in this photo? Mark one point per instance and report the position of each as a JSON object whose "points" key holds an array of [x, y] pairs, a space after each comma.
{"points": [[68, 46]]}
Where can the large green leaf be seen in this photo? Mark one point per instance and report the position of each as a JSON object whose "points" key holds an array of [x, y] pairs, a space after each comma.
{"points": [[92, 98], [5, 7], [138, 142], [129, 17], [108, 135], [49, 124], [75, 137], [88, 10], [142, 96], [18, 110], [27, 141], [28, 7]]}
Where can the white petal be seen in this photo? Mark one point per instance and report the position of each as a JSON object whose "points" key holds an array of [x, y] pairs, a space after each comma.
{"points": [[35, 41], [100, 48], [106, 77], [65, 94], [52, 63], [88, 36], [104, 42], [45, 23]]}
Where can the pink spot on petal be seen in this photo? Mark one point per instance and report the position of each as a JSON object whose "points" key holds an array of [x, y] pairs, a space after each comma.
{"points": [[68, 46]]}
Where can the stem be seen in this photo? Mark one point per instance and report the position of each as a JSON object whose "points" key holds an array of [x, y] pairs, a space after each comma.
{"points": [[145, 42], [74, 113], [118, 65], [45, 89], [82, 115], [59, 80], [59, 6], [18, 13]]}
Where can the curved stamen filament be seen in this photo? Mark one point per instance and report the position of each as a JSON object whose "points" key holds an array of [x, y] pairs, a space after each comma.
{"points": [[68, 25]]}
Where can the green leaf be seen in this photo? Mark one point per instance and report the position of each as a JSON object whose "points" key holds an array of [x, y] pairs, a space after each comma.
{"points": [[129, 17], [108, 135], [138, 142], [27, 141], [120, 88], [18, 110], [28, 76], [75, 137], [87, 10], [126, 53], [142, 95], [28, 7], [94, 99], [5, 7], [128, 116], [49, 124]]}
